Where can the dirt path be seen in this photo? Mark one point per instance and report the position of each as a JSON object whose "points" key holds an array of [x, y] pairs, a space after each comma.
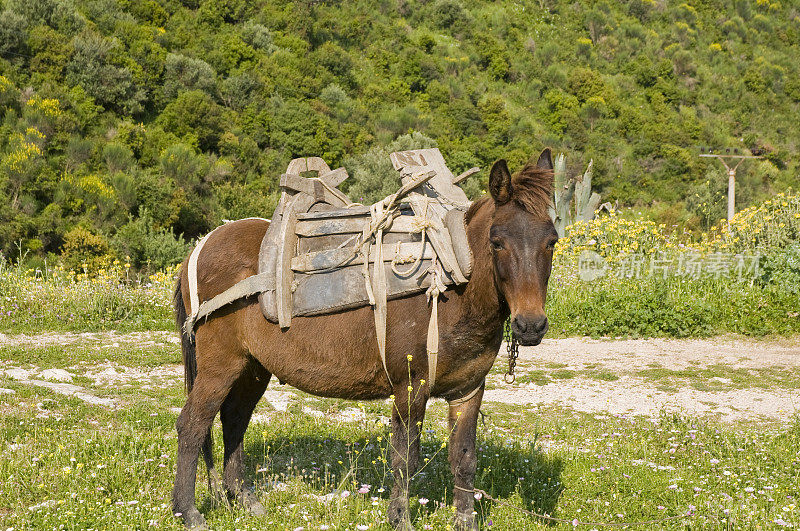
{"points": [[629, 354], [90, 339], [729, 378]]}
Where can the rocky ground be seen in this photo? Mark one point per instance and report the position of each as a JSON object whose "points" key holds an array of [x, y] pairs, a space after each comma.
{"points": [[730, 378]]}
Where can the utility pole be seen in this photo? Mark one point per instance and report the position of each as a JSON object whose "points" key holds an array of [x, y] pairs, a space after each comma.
{"points": [[727, 161]]}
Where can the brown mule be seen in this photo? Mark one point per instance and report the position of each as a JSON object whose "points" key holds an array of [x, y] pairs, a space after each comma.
{"points": [[236, 350]]}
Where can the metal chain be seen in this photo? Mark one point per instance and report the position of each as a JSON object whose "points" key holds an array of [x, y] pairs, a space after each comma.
{"points": [[575, 522], [512, 346]]}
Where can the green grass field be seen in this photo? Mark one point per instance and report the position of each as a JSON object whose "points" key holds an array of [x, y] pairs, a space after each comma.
{"points": [[70, 465]]}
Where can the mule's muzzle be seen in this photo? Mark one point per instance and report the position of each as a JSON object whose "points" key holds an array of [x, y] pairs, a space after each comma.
{"points": [[529, 331]]}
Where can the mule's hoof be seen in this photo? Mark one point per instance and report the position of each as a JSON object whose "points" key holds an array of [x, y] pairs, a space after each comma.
{"points": [[401, 523], [193, 519], [465, 522], [250, 502], [399, 518]]}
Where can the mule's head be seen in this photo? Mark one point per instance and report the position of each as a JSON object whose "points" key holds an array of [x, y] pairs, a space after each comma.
{"points": [[522, 238]]}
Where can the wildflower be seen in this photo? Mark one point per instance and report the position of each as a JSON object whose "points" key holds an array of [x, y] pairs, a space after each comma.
{"points": [[423, 501], [345, 493], [478, 495], [364, 489]]}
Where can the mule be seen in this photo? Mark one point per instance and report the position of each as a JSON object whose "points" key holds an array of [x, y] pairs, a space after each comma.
{"points": [[236, 351]]}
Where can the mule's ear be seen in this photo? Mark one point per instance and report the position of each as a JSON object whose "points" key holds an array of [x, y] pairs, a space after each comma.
{"points": [[500, 182], [545, 161]]}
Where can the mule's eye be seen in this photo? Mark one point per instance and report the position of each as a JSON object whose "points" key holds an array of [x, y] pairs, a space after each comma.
{"points": [[497, 245], [551, 245]]}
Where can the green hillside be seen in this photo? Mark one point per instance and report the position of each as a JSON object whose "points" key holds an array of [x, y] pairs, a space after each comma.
{"points": [[125, 122]]}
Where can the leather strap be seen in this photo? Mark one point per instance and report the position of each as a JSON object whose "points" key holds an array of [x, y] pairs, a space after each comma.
{"points": [[466, 398]]}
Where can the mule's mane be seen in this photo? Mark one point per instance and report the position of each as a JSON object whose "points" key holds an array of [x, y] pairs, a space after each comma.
{"points": [[531, 188]]}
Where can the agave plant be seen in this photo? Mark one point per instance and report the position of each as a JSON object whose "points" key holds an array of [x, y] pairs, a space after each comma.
{"points": [[566, 188]]}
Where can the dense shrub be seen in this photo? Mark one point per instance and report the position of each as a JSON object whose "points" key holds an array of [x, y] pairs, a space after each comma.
{"points": [[147, 246], [85, 251]]}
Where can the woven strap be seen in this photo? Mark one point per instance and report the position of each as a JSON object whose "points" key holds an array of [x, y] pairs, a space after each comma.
{"points": [[244, 288]]}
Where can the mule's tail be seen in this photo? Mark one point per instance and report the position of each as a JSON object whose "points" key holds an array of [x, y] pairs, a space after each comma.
{"points": [[189, 353], [187, 341]]}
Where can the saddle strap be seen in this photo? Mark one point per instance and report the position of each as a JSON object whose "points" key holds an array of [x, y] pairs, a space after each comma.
{"points": [[252, 285], [432, 346], [379, 287]]}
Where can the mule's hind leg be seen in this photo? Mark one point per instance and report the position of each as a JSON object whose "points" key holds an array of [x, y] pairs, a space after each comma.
{"points": [[196, 417], [235, 414]]}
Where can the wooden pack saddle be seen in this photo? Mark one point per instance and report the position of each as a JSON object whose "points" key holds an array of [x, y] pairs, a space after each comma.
{"points": [[329, 254]]}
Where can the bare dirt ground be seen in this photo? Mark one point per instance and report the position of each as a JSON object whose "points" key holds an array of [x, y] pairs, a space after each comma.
{"points": [[90, 339], [729, 378], [692, 361]]}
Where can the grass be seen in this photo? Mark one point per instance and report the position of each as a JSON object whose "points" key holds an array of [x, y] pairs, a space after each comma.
{"points": [[33, 301], [719, 377], [553, 461], [71, 465], [66, 356], [675, 307]]}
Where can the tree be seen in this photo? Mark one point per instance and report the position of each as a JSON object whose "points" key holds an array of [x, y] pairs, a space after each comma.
{"points": [[195, 117], [183, 73], [13, 33], [94, 68], [594, 108]]}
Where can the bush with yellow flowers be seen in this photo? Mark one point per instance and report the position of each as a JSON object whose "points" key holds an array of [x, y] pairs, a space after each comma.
{"points": [[773, 224], [765, 228], [758, 298], [613, 237]]}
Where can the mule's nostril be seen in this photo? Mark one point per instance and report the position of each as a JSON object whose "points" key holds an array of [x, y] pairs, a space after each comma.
{"points": [[521, 325], [540, 325]]}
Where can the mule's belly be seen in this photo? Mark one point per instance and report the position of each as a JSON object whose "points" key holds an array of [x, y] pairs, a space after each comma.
{"points": [[333, 356]]}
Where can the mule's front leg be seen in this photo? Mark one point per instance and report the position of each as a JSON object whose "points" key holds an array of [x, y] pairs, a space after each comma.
{"points": [[463, 421], [408, 413]]}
